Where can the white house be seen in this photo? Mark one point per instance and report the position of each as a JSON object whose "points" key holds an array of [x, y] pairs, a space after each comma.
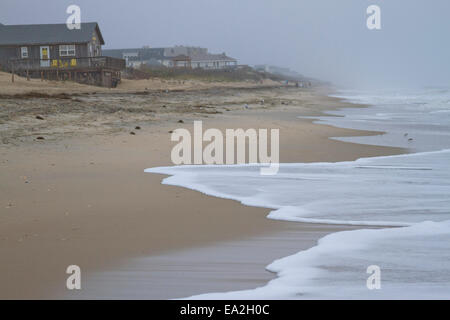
{"points": [[212, 61]]}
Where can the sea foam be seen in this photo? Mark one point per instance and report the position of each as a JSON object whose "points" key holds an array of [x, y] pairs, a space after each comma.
{"points": [[383, 191]]}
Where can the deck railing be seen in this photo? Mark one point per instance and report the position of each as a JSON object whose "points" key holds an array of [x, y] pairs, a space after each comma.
{"points": [[67, 63]]}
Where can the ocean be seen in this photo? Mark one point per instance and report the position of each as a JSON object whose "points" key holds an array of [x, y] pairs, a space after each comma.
{"points": [[408, 195]]}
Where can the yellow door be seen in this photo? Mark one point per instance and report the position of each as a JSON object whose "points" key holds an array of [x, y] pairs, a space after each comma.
{"points": [[45, 56]]}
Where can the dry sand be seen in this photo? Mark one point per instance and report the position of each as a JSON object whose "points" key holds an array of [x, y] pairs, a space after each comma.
{"points": [[81, 197], [21, 86]]}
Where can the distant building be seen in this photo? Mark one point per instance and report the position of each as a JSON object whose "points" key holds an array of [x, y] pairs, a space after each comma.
{"points": [[181, 61], [184, 50], [278, 71], [142, 56], [212, 61]]}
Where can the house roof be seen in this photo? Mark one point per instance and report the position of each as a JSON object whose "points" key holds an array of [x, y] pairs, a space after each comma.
{"points": [[211, 57], [181, 57], [34, 34]]}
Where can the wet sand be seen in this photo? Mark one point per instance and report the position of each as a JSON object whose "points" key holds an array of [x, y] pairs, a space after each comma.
{"points": [[220, 267]]}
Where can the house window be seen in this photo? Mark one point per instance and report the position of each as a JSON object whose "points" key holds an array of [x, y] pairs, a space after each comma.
{"points": [[67, 50], [24, 52]]}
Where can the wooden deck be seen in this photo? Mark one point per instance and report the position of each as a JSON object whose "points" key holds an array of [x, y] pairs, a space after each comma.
{"points": [[102, 71]]}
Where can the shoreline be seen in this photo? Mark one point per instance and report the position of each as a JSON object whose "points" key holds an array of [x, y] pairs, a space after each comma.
{"points": [[115, 212]]}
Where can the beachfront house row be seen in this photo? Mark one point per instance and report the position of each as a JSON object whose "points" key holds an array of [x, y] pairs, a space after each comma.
{"points": [[53, 51], [173, 57]]}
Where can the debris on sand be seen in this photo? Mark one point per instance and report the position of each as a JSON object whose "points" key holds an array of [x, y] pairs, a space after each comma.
{"points": [[40, 138], [133, 133], [180, 121], [138, 128], [40, 117]]}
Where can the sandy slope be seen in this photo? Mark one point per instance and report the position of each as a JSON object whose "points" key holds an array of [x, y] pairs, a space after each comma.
{"points": [[22, 86]]}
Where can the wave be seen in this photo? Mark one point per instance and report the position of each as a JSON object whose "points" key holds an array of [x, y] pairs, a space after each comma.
{"points": [[379, 191], [412, 261]]}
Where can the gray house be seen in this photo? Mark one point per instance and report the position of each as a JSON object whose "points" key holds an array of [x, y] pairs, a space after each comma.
{"points": [[139, 56], [53, 50]]}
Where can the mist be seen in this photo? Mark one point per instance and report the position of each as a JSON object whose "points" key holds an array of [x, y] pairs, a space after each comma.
{"points": [[325, 39]]}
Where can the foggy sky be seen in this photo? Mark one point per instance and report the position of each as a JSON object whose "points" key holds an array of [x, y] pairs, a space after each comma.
{"points": [[327, 39]]}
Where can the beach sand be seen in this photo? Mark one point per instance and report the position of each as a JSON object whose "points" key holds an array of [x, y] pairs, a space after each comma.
{"points": [[21, 86], [81, 197]]}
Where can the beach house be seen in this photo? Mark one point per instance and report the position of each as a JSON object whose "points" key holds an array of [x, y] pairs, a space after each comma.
{"points": [[136, 57], [53, 51], [181, 61], [212, 61]]}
